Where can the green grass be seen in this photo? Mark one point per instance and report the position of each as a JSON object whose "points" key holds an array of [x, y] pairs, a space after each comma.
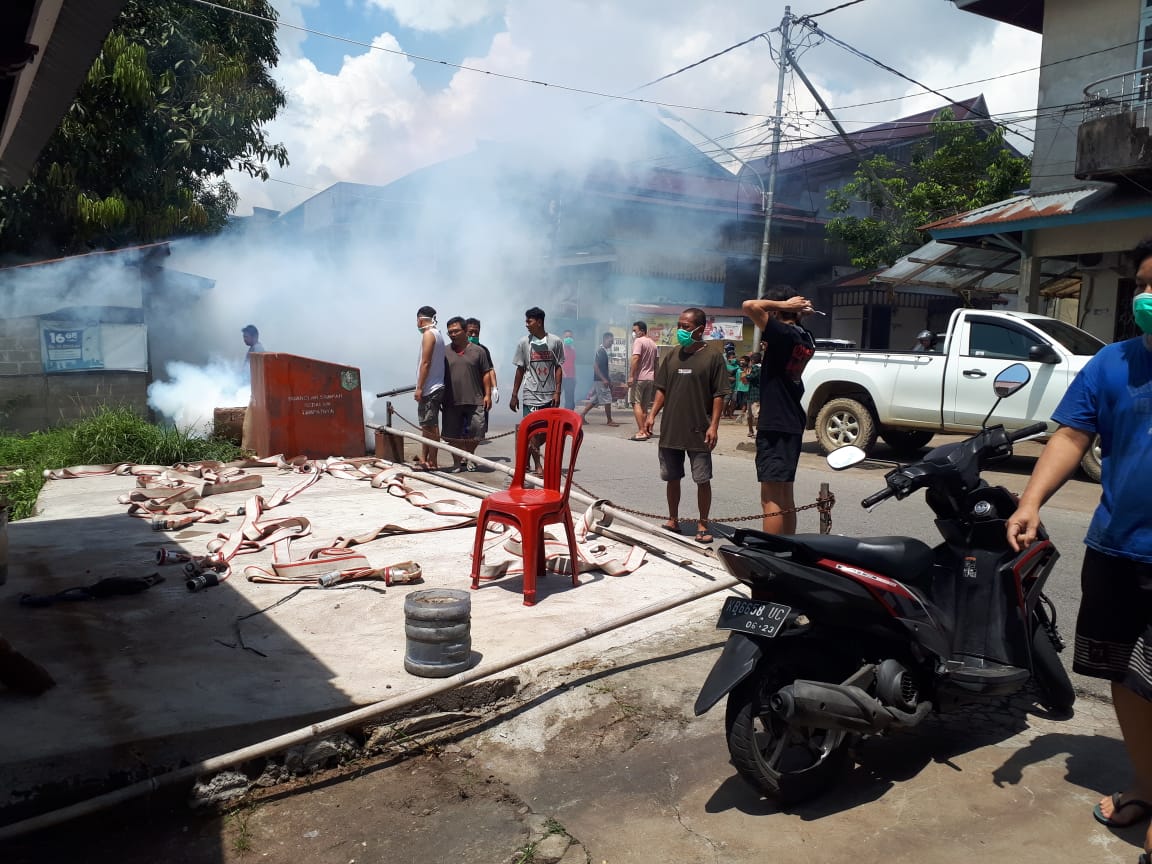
{"points": [[110, 435]]}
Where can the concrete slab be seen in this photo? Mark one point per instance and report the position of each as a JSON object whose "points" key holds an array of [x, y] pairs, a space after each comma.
{"points": [[154, 680]]}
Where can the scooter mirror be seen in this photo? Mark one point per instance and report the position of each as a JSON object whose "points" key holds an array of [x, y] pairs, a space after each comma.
{"points": [[1011, 380], [845, 457]]}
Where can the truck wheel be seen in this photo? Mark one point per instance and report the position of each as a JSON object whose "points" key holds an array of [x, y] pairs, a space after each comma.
{"points": [[906, 442], [842, 422], [1091, 461]]}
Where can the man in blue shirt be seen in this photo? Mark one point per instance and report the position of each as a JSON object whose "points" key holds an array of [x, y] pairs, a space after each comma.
{"points": [[1112, 398]]}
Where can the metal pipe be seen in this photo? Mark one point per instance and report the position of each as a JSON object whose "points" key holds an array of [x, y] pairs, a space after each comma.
{"points": [[343, 721], [409, 389], [574, 494]]}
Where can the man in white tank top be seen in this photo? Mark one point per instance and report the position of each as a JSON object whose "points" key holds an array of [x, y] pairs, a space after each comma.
{"points": [[429, 394]]}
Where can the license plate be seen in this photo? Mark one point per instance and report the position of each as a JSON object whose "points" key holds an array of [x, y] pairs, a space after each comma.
{"points": [[752, 616]]}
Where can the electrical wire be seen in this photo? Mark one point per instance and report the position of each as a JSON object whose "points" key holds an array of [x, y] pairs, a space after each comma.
{"points": [[830, 11], [869, 58], [583, 91], [697, 63]]}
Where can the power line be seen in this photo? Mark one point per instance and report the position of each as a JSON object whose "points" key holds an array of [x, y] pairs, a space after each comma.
{"points": [[862, 55], [700, 62], [503, 75], [829, 11]]}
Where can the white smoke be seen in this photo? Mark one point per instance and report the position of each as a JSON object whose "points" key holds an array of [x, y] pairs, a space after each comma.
{"points": [[190, 395]]}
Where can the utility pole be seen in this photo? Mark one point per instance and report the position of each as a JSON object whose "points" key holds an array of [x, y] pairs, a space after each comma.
{"points": [[773, 160]]}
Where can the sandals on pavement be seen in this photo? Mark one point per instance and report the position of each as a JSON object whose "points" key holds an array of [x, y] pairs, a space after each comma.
{"points": [[1117, 805], [703, 536], [672, 529]]}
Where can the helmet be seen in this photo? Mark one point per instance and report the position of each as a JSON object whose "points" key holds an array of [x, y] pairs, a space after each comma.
{"points": [[926, 334]]}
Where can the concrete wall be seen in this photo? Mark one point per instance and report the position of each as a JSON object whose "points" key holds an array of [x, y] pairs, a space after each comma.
{"points": [[31, 400], [1072, 28]]}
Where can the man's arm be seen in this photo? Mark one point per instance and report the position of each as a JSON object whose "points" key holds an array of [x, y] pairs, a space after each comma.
{"points": [[514, 402], [758, 310], [634, 368], [559, 382], [427, 346], [1057, 461], [713, 433], [657, 405]]}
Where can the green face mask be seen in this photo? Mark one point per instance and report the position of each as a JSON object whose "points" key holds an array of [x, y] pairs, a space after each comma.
{"points": [[475, 340], [684, 337], [1142, 312]]}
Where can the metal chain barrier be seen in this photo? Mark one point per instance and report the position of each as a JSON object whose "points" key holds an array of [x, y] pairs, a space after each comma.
{"points": [[823, 504]]}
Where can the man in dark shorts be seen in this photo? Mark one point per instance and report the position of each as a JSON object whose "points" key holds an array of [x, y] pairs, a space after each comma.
{"points": [[430, 368], [780, 430], [472, 328], [469, 391], [1111, 397], [692, 383]]}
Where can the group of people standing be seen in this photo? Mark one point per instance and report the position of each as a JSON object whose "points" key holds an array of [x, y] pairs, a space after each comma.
{"points": [[455, 386], [690, 387]]}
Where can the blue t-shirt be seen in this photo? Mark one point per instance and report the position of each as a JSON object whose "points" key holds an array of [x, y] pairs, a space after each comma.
{"points": [[1112, 397]]}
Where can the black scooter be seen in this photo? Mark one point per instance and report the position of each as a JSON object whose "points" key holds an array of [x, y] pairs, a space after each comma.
{"points": [[851, 636]]}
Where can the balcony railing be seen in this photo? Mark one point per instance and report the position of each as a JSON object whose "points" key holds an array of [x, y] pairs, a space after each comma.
{"points": [[1126, 93]]}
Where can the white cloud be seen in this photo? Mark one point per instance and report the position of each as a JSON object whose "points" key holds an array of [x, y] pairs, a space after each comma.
{"points": [[373, 122], [438, 14]]}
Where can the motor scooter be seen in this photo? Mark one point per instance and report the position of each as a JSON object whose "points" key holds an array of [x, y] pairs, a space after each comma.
{"points": [[843, 637]]}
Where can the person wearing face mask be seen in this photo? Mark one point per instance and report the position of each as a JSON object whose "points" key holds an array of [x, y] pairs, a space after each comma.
{"points": [[642, 375], [568, 384], [539, 363], [692, 384], [472, 329], [1111, 397], [429, 395]]}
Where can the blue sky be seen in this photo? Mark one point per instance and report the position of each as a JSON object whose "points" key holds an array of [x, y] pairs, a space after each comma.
{"points": [[371, 116]]}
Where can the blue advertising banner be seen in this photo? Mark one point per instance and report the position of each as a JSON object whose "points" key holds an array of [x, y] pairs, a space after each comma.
{"points": [[67, 347]]}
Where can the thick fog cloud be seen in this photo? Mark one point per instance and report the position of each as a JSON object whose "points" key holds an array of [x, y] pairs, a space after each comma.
{"points": [[373, 121]]}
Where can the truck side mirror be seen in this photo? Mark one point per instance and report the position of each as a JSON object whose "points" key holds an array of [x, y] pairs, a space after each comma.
{"points": [[1043, 353]]}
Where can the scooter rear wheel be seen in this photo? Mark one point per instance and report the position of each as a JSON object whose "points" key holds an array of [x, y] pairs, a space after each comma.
{"points": [[788, 763]]}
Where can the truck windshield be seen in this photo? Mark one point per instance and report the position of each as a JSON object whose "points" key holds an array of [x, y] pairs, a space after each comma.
{"points": [[1073, 338]]}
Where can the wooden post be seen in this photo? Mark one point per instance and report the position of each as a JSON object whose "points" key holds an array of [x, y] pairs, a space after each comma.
{"points": [[388, 446]]}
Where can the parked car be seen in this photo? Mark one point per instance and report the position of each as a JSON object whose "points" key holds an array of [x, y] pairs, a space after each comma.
{"points": [[835, 344], [905, 398]]}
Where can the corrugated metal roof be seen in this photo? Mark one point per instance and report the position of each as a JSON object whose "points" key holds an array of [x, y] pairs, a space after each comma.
{"points": [[1021, 207], [943, 265]]}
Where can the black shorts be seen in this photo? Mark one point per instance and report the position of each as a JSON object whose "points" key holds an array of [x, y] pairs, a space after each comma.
{"points": [[777, 455], [1114, 627]]}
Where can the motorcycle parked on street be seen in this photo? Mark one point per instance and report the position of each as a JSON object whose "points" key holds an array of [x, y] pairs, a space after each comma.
{"points": [[850, 636]]}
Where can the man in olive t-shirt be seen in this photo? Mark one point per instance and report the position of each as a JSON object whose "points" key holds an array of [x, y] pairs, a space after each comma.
{"points": [[692, 383]]}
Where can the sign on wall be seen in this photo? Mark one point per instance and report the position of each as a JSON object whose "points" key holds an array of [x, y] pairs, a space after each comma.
{"points": [[68, 346]]}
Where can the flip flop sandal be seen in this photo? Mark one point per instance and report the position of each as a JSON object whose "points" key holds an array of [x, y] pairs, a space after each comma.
{"points": [[672, 530], [1117, 805], [704, 537]]}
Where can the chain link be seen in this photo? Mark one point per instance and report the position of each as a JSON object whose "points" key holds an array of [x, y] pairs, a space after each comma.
{"points": [[824, 505]]}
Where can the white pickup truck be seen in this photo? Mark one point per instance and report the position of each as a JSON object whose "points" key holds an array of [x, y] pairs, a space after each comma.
{"points": [[905, 398]]}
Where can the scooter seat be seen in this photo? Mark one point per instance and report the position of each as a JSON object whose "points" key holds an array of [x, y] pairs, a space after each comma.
{"points": [[902, 558]]}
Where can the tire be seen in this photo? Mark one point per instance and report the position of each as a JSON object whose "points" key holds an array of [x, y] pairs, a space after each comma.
{"points": [[906, 442], [842, 422], [1056, 692], [788, 764], [1091, 461]]}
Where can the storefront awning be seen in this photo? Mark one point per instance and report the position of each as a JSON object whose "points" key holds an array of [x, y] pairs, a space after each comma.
{"points": [[992, 269]]}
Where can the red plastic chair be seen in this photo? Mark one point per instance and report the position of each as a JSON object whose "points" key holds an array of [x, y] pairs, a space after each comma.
{"points": [[530, 509]]}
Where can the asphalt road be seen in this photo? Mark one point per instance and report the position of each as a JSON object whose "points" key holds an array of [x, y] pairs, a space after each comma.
{"points": [[627, 473]]}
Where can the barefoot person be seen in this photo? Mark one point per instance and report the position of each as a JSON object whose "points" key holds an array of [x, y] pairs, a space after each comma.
{"points": [[692, 384], [1111, 397], [430, 368], [602, 383]]}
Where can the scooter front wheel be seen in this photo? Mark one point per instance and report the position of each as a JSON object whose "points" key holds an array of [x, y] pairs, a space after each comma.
{"points": [[788, 763]]}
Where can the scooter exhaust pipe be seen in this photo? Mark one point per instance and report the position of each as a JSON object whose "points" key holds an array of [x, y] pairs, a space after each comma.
{"points": [[838, 706]]}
